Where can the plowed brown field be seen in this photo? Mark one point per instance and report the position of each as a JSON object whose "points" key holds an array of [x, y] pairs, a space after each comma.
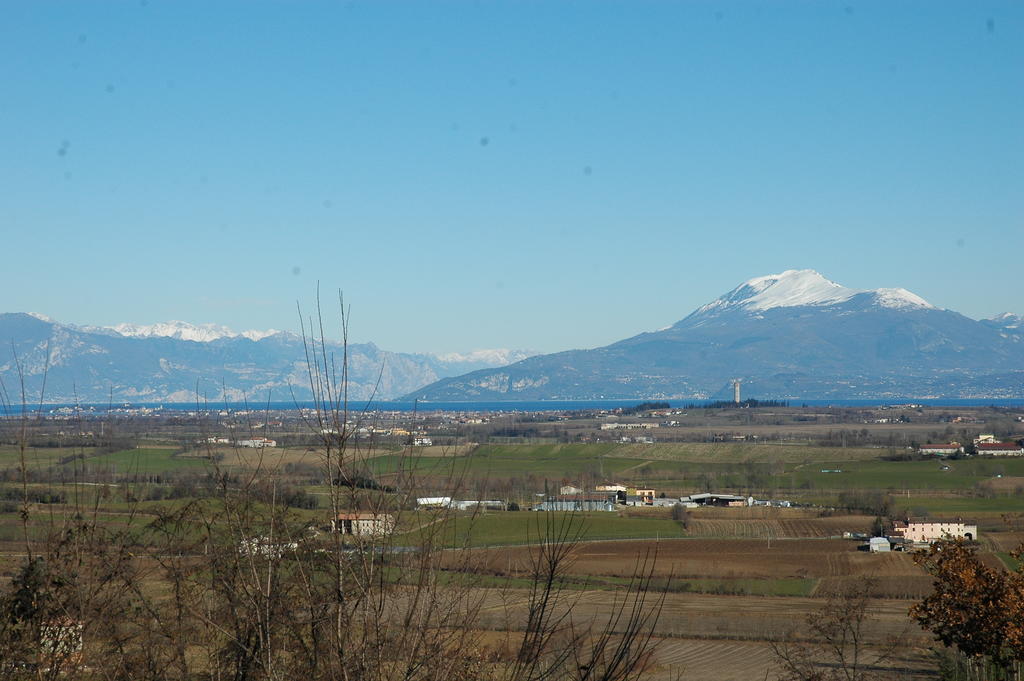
{"points": [[795, 528], [738, 558], [1002, 541], [751, 661], [724, 637], [724, 559]]}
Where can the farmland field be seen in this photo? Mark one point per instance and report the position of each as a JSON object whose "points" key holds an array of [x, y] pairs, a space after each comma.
{"points": [[769, 528], [697, 632], [520, 527], [142, 461], [733, 579]]}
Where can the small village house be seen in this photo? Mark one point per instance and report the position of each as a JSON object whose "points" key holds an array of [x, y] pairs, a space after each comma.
{"points": [[364, 524], [646, 495]]}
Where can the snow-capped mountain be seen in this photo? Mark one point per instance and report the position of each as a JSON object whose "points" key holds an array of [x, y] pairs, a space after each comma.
{"points": [[1008, 324], [789, 335], [201, 333], [206, 333], [171, 361], [797, 288], [494, 357], [1007, 320]]}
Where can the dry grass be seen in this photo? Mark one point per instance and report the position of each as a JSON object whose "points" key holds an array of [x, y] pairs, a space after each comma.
{"points": [[1006, 484], [906, 586]]}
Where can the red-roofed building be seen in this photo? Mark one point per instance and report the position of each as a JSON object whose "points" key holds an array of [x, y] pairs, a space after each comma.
{"points": [[941, 450], [1000, 448]]}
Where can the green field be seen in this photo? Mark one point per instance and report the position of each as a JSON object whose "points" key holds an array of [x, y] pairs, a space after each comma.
{"points": [[519, 527], [900, 475], [668, 463], [945, 505], [698, 466], [741, 452], [510, 460], [38, 457], [141, 462]]}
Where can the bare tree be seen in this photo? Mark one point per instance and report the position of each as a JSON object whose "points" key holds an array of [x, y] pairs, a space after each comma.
{"points": [[834, 645]]}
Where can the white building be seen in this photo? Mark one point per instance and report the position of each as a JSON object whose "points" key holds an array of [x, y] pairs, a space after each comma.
{"points": [[364, 524], [1000, 449], [434, 502], [257, 443], [941, 449], [879, 545], [489, 504]]}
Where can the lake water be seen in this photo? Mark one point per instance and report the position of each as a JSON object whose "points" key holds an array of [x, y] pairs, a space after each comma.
{"points": [[526, 406]]}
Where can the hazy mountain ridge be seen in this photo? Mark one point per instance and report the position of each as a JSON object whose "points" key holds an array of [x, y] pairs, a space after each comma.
{"points": [[791, 335], [176, 361]]}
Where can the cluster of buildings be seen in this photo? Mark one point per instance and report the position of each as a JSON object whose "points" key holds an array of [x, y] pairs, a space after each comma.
{"points": [[628, 426], [461, 504], [257, 442], [254, 443], [986, 444], [609, 497]]}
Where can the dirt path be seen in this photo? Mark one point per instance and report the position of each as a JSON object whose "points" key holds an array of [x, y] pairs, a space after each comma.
{"points": [[633, 468]]}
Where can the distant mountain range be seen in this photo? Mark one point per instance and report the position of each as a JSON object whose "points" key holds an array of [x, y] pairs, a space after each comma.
{"points": [[175, 361], [786, 336]]}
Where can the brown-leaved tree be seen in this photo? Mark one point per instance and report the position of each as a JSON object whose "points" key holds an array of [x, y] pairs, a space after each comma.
{"points": [[975, 608]]}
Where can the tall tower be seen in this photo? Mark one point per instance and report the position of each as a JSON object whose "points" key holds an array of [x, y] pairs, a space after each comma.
{"points": [[736, 390]]}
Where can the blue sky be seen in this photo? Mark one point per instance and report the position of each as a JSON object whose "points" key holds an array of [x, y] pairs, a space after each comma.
{"points": [[540, 175]]}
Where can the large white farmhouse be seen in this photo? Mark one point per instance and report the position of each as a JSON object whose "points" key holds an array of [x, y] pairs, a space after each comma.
{"points": [[933, 530]]}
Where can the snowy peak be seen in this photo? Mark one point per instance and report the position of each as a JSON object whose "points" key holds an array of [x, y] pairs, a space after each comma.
{"points": [[899, 298], [1008, 320], [791, 288], [796, 288], [201, 333], [497, 357]]}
